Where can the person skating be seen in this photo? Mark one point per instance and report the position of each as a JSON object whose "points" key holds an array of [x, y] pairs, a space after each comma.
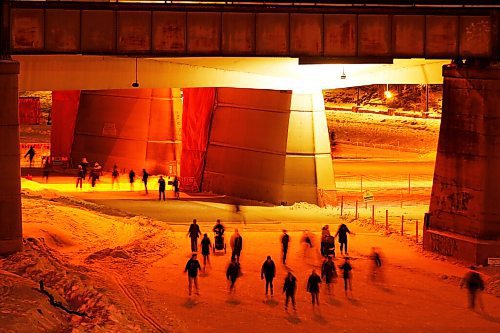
{"points": [[328, 272], [161, 188], [474, 284], [80, 177], [285, 240], [115, 174], [289, 289], [268, 271], [175, 185], [347, 275], [192, 268], [145, 176], [232, 273], [313, 287], [325, 232], [342, 238], [205, 250], [96, 173], [131, 178], [85, 165], [46, 169], [31, 153], [193, 233], [236, 243]]}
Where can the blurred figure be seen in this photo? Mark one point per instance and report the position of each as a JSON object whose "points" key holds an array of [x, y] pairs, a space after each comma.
{"points": [[232, 273], [474, 284], [289, 289], [328, 272], [325, 232], [46, 169], [115, 177], [161, 188], [342, 238], [376, 258], [31, 153], [85, 165], [205, 250], [192, 268], [175, 185], [313, 287], [346, 275], [96, 173], [236, 243], [193, 233], [80, 176], [131, 178], [268, 271], [285, 240], [145, 176], [239, 214], [307, 242]]}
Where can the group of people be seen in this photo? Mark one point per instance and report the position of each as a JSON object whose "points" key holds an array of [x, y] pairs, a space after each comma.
{"points": [[95, 172], [268, 268]]}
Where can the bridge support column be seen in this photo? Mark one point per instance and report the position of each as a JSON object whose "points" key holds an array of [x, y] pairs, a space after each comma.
{"points": [[271, 146], [10, 177], [464, 219]]}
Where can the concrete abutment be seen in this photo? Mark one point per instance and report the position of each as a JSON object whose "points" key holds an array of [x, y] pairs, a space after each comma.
{"points": [[10, 177], [464, 217]]}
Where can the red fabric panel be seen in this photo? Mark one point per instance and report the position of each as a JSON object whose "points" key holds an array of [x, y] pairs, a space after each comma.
{"points": [[64, 110], [29, 110], [197, 112]]}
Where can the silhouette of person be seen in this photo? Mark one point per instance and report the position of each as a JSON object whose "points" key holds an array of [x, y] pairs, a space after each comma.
{"points": [[145, 176], [193, 233], [161, 188], [285, 240], [192, 268], [236, 243], [205, 250], [232, 273], [289, 289], [313, 287], [474, 284], [268, 271]]}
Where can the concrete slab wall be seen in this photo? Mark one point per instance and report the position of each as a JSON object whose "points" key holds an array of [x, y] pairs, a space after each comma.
{"points": [[136, 128], [464, 205], [269, 145]]}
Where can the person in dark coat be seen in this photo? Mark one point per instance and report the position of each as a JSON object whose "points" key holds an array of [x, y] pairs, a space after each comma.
{"points": [[145, 176], [328, 272], [175, 184], [205, 250], [85, 165], [80, 176], [115, 174], [193, 233], [268, 271], [192, 268], [376, 258], [347, 275], [342, 237], [289, 289], [285, 240], [218, 229], [96, 173], [161, 188], [313, 287], [236, 243], [474, 284], [131, 178], [232, 273], [325, 233], [31, 153], [46, 169]]}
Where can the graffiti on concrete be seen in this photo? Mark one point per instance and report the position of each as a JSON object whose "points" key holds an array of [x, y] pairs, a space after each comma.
{"points": [[443, 245], [459, 200]]}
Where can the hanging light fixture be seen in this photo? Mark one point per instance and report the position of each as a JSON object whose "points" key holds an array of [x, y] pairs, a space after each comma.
{"points": [[387, 93], [135, 84], [343, 76]]}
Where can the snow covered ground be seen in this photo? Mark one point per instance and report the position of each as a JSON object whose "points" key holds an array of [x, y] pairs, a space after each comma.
{"points": [[125, 271]]}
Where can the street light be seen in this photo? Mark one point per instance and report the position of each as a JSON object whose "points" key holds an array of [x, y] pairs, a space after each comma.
{"points": [[387, 93]]}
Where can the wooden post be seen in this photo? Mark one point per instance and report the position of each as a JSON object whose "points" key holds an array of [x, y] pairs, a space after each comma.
{"points": [[373, 214], [356, 213], [386, 219], [409, 184], [416, 231], [402, 224], [341, 205]]}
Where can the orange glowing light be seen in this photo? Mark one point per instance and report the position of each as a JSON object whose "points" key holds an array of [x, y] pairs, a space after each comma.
{"points": [[388, 94]]}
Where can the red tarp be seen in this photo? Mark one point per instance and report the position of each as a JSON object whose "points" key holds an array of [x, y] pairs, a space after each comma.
{"points": [[64, 111], [196, 121], [29, 110]]}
